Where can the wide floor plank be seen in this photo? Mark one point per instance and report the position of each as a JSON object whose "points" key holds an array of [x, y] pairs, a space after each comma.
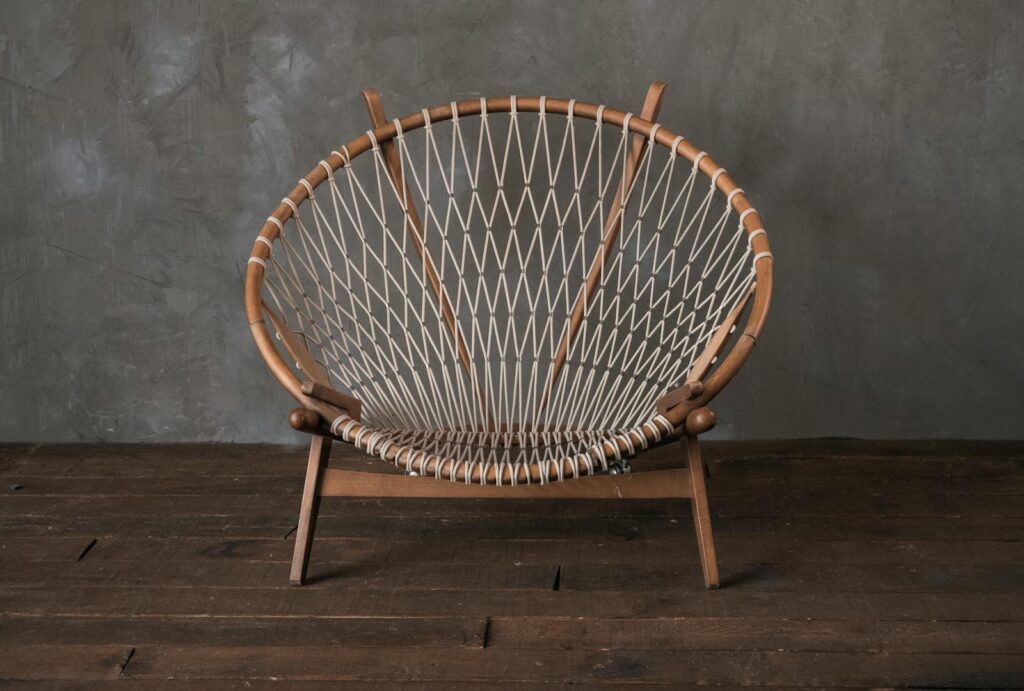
{"points": [[667, 551], [723, 633], [572, 666], [283, 600], [514, 576], [816, 504], [58, 661], [350, 632]]}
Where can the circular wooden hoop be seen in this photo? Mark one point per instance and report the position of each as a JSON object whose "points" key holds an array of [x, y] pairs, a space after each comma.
{"points": [[738, 353]]}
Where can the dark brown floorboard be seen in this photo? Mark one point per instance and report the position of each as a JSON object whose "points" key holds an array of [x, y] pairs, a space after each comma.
{"points": [[846, 564]]}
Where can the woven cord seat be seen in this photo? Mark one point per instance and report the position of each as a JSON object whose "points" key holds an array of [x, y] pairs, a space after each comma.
{"points": [[503, 458], [506, 292]]}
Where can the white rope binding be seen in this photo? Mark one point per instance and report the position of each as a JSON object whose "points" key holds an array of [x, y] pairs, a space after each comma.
{"points": [[513, 211]]}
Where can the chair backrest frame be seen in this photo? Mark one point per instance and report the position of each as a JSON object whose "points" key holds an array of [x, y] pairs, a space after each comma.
{"points": [[750, 219]]}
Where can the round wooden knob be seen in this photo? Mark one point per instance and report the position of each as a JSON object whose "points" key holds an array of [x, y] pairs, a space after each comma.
{"points": [[700, 420], [304, 419]]}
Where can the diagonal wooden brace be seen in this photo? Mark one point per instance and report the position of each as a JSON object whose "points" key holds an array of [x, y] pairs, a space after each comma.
{"points": [[652, 106], [375, 108]]}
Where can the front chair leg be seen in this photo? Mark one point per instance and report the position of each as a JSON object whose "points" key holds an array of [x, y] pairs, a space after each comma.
{"points": [[701, 514], [319, 453]]}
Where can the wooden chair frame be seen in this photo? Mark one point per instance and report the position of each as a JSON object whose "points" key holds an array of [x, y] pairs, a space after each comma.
{"points": [[685, 407]]}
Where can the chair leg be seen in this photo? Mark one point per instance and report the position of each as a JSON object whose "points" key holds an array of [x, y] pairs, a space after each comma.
{"points": [[707, 468], [319, 453], [701, 514]]}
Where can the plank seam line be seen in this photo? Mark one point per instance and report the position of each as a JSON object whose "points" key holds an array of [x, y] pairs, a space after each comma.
{"points": [[487, 632], [85, 550], [124, 663]]}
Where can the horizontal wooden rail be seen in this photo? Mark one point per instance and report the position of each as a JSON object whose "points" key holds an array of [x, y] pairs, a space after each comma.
{"points": [[654, 484]]}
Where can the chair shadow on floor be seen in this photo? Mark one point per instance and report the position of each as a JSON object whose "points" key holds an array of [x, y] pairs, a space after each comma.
{"points": [[744, 574], [735, 575]]}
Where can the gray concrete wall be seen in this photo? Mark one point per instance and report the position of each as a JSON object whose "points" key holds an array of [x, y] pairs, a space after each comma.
{"points": [[142, 144]]}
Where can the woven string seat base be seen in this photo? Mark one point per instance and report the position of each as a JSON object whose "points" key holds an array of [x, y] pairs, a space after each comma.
{"points": [[503, 458]]}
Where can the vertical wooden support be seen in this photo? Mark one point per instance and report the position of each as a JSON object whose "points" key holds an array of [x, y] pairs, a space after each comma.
{"points": [[319, 453], [701, 514]]}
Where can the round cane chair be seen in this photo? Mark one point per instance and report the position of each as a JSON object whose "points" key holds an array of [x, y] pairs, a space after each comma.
{"points": [[509, 295]]}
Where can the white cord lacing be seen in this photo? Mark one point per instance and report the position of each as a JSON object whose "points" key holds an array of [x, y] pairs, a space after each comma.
{"points": [[513, 208]]}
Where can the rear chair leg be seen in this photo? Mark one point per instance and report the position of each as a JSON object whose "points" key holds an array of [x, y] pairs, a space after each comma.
{"points": [[701, 515], [319, 453]]}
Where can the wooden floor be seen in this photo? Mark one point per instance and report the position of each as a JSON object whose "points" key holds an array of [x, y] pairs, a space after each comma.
{"points": [[844, 564]]}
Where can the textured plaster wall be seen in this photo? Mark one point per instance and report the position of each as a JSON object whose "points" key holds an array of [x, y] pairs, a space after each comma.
{"points": [[142, 143]]}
